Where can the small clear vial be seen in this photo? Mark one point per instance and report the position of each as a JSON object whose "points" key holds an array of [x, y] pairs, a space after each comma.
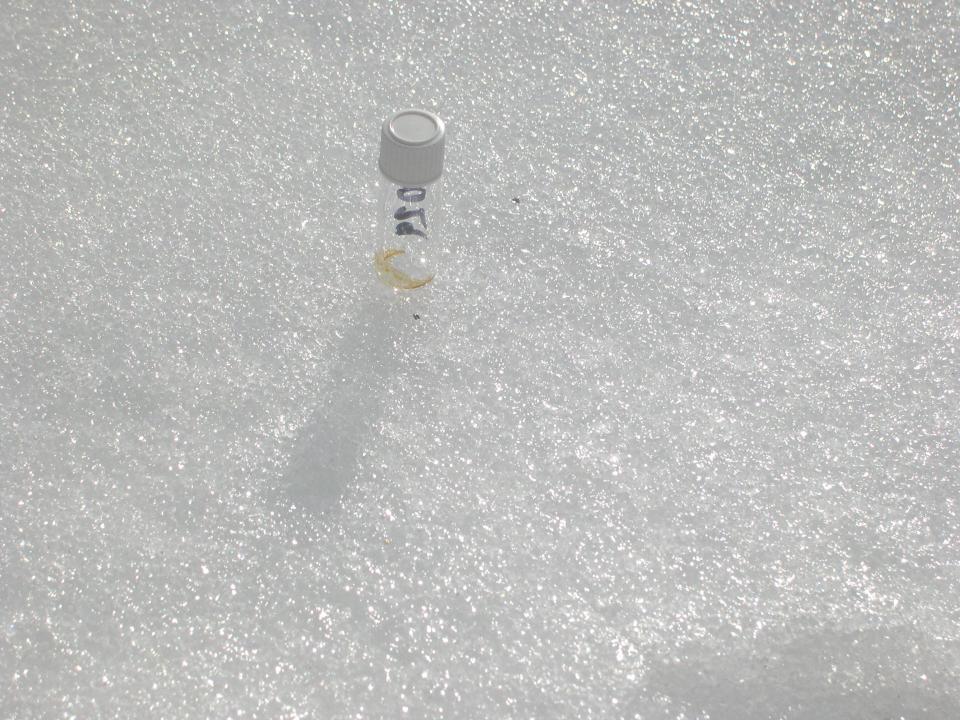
{"points": [[411, 164]]}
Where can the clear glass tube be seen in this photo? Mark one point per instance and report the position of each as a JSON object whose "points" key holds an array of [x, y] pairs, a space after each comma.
{"points": [[406, 249]]}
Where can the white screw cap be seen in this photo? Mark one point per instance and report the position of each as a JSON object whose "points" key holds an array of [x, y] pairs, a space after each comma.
{"points": [[411, 147]]}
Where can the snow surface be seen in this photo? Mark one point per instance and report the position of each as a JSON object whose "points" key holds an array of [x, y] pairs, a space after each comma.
{"points": [[677, 434]]}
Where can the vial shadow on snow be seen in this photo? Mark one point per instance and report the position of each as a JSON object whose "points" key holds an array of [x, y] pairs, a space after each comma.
{"points": [[326, 456], [324, 460]]}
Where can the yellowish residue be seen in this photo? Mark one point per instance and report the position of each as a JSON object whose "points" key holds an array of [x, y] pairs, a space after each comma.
{"points": [[393, 277]]}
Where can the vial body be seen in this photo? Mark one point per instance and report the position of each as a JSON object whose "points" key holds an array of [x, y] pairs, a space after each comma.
{"points": [[406, 248]]}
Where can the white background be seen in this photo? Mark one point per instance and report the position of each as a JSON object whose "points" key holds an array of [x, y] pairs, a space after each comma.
{"points": [[677, 436]]}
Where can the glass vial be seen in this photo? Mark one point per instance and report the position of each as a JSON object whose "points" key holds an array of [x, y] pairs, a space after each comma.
{"points": [[411, 165]]}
